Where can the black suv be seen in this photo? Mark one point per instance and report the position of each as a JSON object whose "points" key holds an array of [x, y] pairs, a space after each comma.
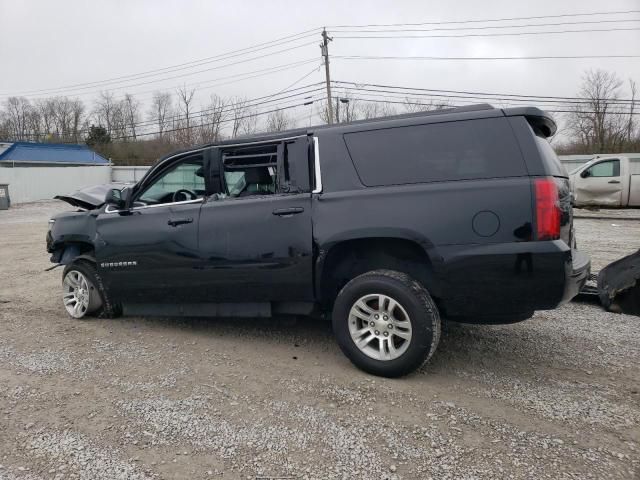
{"points": [[387, 224]]}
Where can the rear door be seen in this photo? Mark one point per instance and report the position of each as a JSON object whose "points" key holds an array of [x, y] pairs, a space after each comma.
{"points": [[256, 239], [600, 184]]}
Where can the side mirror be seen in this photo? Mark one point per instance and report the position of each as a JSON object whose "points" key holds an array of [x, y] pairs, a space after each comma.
{"points": [[585, 174], [115, 198]]}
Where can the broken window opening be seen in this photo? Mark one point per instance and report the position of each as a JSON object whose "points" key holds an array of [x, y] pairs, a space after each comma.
{"points": [[251, 171]]}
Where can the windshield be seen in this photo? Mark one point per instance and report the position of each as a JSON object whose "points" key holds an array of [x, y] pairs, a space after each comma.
{"points": [[575, 170]]}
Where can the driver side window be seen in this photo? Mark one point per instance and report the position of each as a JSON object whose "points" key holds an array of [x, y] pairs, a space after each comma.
{"points": [[610, 168], [183, 181]]}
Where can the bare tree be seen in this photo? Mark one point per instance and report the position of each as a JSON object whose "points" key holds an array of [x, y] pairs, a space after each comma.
{"points": [[105, 110], [347, 109], [212, 118], [46, 109], [77, 119], [630, 122], [160, 111], [323, 112], [131, 113], [250, 121], [278, 121], [376, 110], [239, 115], [185, 101], [63, 116], [600, 122], [17, 112], [412, 105]]}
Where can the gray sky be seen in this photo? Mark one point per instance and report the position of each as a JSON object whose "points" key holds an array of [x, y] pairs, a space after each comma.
{"points": [[46, 44]]}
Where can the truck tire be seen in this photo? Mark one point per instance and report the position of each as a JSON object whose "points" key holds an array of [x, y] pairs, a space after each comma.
{"points": [[386, 323], [83, 292]]}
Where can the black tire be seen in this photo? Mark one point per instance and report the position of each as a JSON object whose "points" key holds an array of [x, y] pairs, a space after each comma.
{"points": [[414, 299], [108, 308]]}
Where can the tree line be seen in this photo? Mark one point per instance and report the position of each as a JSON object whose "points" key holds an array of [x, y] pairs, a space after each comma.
{"points": [[122, 128]]}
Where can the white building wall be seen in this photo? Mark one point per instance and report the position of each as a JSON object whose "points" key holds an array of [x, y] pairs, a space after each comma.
{"points": [[28, 184], [128, 174]]}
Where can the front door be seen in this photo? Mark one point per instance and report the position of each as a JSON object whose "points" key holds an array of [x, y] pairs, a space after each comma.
{"points": [[148, 253], [600, 184], [256, 238]]}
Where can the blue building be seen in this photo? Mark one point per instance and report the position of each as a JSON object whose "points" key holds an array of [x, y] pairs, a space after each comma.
{"points": [[40, 171], [26, 154]]}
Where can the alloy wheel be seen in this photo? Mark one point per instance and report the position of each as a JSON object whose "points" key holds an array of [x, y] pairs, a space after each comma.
{"points": [[380, 327]]}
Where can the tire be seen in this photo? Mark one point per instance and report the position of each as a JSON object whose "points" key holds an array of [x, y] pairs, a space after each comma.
{"points": [[91, 300], [404, 334]]}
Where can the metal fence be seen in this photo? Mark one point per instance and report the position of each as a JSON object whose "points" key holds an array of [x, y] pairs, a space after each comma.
{"points": [[32, 183], [129, 174]]}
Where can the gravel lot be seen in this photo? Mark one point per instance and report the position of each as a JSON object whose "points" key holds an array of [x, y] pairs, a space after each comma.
{"points": [[557, 396]]}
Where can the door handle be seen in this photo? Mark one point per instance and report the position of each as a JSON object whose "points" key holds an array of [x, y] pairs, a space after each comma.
{"points": [[179, 221], [282, 212], [614, 181]]}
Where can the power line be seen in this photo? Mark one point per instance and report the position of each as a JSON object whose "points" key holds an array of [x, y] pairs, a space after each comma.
{"points": [[433, 94], [314, 69], [191, 64], [230, 106], [124, 137], [535, 57], [546, 110], [213, 82], [489, 27], [198, 71], [248, 103], [420, 89], [448, 22], [508, 34]]}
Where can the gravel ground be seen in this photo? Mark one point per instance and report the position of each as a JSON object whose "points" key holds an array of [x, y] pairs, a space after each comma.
{"points": [[610, 213], [557, 396]]}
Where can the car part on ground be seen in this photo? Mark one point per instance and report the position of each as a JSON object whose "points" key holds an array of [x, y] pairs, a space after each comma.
{"points": [[619, 285]]}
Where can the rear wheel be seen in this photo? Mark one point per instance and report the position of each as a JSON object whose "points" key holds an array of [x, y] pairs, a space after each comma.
{"points": [[386, 323], [83, 293]]}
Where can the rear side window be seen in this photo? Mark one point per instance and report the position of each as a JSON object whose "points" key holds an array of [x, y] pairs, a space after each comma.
{"points": [[464, 150]]}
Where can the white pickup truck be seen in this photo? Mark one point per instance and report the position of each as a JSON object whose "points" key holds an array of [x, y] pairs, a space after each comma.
{"points": [[612, 181]]}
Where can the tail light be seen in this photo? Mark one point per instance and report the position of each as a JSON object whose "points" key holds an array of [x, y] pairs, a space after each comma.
{"points": [[547, 209]]}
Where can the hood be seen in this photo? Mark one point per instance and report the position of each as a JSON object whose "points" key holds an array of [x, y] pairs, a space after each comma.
{"points": [[91, 197]]}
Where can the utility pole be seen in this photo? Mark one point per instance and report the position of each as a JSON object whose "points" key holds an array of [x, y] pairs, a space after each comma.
{"points": [[337, 109], [324, 48]]}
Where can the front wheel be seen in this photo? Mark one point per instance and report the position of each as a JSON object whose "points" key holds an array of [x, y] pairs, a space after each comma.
{"points": [[386, 323], [83, 293]]}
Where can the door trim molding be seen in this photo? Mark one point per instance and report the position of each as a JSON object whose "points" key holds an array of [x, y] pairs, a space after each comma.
{"points": [[184, 202]]}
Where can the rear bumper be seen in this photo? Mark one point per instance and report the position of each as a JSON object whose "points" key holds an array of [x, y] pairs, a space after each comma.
{"points": [[577, 274], [509, 279]]}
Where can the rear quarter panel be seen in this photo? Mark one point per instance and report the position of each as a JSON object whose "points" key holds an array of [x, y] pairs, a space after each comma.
{"points": [[476, 233]]}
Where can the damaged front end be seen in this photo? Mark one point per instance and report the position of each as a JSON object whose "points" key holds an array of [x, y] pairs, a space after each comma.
{"points": [[90, 198]]}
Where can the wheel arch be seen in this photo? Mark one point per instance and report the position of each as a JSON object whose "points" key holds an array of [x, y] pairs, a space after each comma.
{"points": [[68, 252], [340, 260]]}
